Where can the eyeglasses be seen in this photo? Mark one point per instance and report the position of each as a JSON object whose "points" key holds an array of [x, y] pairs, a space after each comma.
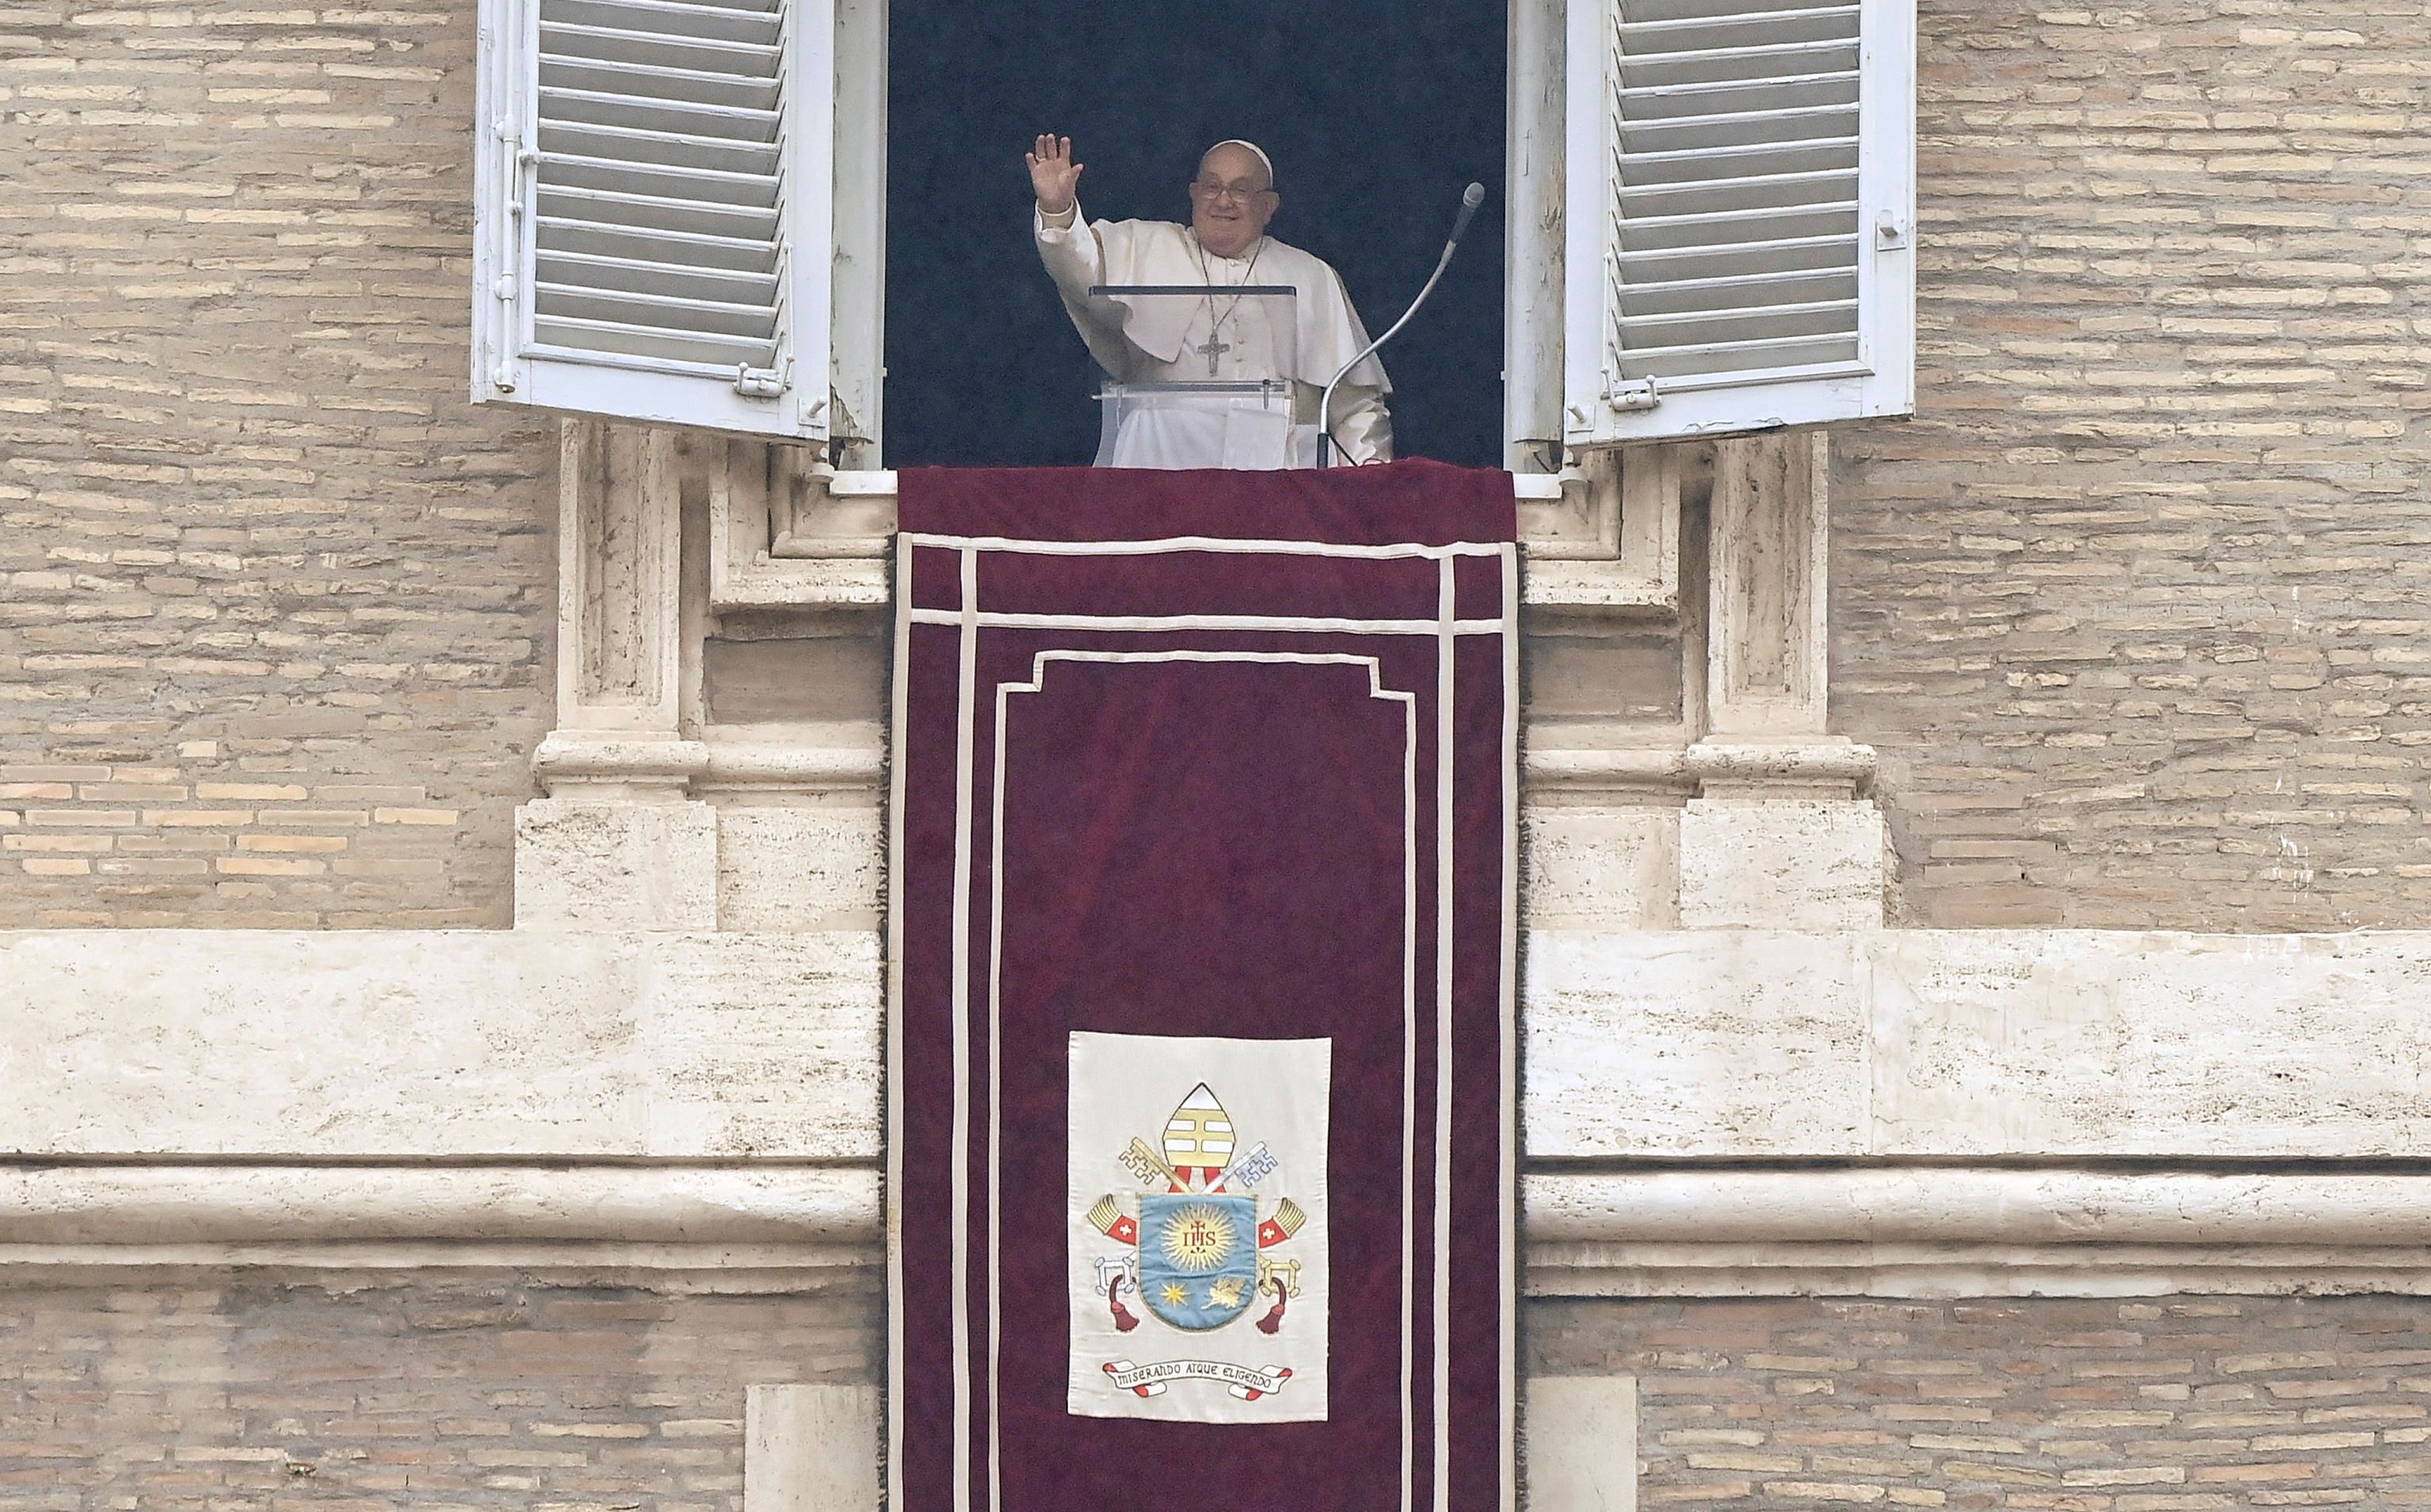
{"points": [[1240, 194]]}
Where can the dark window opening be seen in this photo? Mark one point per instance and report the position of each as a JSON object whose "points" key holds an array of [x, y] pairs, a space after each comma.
{"points": [[1376, 117]]}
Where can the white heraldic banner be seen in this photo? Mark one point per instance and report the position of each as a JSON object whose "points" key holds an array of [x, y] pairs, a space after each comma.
{"points": [[1197, 1228]]}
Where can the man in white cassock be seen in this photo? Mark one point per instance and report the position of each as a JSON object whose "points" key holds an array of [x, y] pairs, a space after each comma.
{"points": [[1201, 334]]}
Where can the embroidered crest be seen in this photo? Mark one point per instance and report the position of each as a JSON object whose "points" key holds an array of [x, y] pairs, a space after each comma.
{"points": [[1197, 1229], [1196, 1242]]}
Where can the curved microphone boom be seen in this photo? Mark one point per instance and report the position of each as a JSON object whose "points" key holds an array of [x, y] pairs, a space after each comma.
{"points": [[1470, 198]]}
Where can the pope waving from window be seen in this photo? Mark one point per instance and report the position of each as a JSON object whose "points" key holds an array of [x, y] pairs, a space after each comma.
{"points": [[1168, 305]]}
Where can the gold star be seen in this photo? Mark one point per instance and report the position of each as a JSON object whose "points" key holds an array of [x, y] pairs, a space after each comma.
{"points": [[1174, 1296]]}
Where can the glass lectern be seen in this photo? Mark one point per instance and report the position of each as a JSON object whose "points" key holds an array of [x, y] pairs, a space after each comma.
{"points": [[1201, 376]]}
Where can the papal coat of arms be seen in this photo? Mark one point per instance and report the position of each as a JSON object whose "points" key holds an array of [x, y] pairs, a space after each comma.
{"points": [[1198, 1246]]}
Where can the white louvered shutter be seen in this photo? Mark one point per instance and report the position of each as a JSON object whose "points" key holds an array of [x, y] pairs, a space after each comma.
{"points": [[654, 209], [1740, 247]]}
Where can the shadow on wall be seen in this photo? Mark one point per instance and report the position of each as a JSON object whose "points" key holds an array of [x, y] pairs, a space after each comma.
{"points": [[1376, 116]]}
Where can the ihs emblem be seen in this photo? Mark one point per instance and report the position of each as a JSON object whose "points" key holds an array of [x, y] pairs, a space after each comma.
{"points": [[1194, 1242]]}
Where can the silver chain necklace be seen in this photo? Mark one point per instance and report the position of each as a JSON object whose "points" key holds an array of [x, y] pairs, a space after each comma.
{"points": [[1215, 347]]}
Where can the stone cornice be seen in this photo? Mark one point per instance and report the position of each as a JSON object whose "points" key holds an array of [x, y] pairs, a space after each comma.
{"points": [[1679, 1232]]}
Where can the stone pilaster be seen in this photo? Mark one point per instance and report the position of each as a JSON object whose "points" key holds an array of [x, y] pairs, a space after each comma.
{"points": [[618, 842], [1778, 833]]}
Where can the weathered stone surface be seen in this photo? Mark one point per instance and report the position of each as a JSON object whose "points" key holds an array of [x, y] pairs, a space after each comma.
{"points": [[2035, 1042], [1727, 1043], [798, 867], [592, 864], [440, 1044], [1781, 863], [1723, 1042], [1926, 1042], [1598, 867]]}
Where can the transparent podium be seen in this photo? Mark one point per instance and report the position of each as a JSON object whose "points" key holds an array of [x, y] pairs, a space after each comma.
{"points": [[1201, 377]]}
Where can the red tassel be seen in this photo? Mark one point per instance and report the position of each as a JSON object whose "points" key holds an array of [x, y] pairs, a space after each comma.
{"points": [[1124, 1322], [1273, 1321]]}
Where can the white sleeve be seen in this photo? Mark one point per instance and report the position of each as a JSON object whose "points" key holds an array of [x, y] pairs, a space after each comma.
{"points": [[1362, 427], [1071, 251]]}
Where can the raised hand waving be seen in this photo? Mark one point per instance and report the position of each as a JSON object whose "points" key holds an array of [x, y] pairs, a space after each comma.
{"points": [[1054, 178]]}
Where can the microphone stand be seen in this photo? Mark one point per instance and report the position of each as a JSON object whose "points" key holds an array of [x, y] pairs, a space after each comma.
{"points": [[1470, 198]]}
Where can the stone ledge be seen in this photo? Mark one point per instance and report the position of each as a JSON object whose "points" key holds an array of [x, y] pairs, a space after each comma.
{"points": [[172, 1202], [1885, 1232], [179, 1203], [829, 545], [1980, 1205]]}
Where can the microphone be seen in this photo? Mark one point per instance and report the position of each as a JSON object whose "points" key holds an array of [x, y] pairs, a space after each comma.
{"points": [[1470, 198]]}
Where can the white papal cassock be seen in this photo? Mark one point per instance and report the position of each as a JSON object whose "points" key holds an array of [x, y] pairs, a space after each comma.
{"points": [[1172, 347]]}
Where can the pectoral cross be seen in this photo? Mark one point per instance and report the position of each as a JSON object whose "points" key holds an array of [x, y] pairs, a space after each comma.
{"points": [[1215, 347]]}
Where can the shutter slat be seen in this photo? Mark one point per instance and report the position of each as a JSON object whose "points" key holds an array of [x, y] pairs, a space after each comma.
{"points": [[1753, 192], [600, 106], [1695, 218], [713, 22], [1742, 249], [653, 212], [1659, 92], [1700, 24], [1745, 288], [1647, 161], [1739, 359], [1720, 317], [1778, 227], [701, 55], [682, 86], [714, 318], [639, 276], [714, 186], [666, 149], [1836, 110], [653, 245], [609, 336], [1720, 65]]}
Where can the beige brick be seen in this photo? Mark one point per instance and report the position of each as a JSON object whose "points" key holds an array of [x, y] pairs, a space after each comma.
{"points": [[198, 818], [413, 815], [268, 866]]}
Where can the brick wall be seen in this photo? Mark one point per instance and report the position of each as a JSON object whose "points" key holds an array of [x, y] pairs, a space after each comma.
{"points": [[273, 598], [364, 1392], [2171, 1405], [2135, 607]]}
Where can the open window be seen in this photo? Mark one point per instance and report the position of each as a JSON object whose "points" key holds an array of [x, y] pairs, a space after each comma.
{"points": [[1709, 216]]}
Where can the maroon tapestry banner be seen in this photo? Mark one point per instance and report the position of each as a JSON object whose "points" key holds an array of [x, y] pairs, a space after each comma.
{"points": [[1201, 1107]]}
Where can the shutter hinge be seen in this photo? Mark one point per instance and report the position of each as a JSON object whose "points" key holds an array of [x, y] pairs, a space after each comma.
{"points": [[1637, 395], [1889, 232], [762, 382]]}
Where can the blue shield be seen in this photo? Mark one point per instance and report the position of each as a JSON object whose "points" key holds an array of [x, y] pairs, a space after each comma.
{"points": [[1197, 1258]]}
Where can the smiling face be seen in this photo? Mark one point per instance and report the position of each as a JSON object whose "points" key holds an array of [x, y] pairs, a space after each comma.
{"points": [[1231, 200]]}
